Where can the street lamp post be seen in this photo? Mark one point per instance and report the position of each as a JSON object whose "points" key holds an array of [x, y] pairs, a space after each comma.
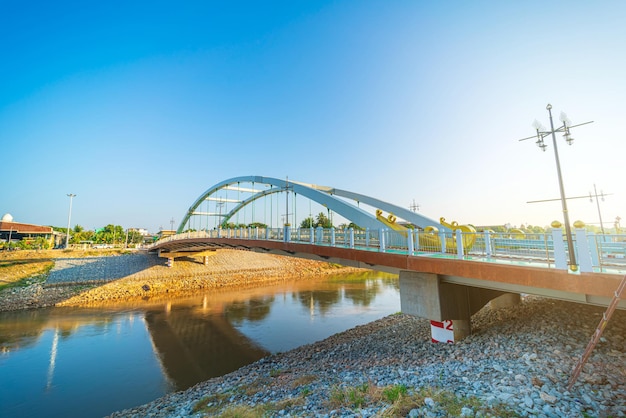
{"points": [[69, 217], [542, 133]]}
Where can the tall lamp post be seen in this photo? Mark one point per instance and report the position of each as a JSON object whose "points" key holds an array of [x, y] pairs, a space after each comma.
{"points": [[542, 133], [69, 217]]}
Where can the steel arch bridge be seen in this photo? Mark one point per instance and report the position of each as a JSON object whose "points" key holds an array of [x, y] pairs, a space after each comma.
{"points": [[342, 202]]}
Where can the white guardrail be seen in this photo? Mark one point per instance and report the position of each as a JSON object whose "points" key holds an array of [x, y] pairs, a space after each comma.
{"points": [[595, 253]]}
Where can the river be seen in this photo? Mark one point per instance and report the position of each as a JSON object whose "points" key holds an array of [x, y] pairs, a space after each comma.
{"points": [[71, 362]]}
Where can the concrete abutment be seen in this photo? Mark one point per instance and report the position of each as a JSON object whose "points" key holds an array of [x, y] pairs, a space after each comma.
{"points": [[427, 296]]}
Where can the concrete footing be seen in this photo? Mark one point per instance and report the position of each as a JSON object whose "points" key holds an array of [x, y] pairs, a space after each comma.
{"points": [[505, 301]]}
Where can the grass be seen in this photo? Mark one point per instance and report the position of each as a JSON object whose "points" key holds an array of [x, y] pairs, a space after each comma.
{"points": [[399, 400], [304, 380], [405, 401], [395, 400], [22, 273], [218, 405], [25, 267]]}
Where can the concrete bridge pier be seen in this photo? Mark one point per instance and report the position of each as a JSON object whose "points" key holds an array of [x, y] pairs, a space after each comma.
{"points": [[449, 306]]}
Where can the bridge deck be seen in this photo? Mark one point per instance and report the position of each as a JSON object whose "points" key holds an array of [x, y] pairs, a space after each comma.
{"points": [[513, 275]]}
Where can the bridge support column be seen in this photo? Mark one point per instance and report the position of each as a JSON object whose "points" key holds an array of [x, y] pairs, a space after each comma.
{"points": [[448, 306]]}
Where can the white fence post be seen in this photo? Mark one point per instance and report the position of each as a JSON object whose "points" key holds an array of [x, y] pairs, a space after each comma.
{"points": [[592, 240], [459, 244], [488, 243], [442, 238], [409, 237], [560, 261], [584, 255], [287, 236]]}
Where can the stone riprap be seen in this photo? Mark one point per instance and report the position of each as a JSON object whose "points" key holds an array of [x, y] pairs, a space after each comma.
{"points": [[519, 359], [90, 270], [109, 279]]}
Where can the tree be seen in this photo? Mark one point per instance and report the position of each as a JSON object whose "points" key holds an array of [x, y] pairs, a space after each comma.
{"points": [[323, 221], [257, 225], [110, 234], [134, 237], [307, 223]]}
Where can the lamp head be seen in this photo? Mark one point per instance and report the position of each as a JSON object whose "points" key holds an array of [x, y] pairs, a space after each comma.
{"points": [[549, 106]]}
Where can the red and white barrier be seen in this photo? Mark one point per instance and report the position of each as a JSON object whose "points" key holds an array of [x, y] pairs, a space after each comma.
{"points": [[442, 332]]}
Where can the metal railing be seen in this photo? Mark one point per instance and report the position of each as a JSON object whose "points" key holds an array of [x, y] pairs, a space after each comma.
{"points": [[596, 253]]}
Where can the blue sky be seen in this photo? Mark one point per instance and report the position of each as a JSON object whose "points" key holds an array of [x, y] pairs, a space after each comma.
{"points": [[139, 107]]}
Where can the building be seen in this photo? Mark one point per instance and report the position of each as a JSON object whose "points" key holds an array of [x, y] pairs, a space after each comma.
{"points": [[164, 233], [11, 231]]}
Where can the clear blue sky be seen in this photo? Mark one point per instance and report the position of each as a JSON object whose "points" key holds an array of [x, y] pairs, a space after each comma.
{"points": [[139, 107]]}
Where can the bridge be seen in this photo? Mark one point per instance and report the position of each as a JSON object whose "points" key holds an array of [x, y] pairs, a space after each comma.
{"points": [[447, 271]]}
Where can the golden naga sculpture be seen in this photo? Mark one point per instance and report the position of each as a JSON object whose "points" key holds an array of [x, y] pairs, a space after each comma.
{"points": [[429, 239]]}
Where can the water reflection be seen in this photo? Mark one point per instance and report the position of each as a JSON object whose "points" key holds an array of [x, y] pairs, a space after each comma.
{"points": [[115, 357], [193, 347]]}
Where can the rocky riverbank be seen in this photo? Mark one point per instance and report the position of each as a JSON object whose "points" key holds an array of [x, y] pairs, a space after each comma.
{"points": [[516, 363], [88, 278]]}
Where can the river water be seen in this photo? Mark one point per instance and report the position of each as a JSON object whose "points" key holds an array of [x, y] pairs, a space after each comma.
{"points": [[70, 362]]}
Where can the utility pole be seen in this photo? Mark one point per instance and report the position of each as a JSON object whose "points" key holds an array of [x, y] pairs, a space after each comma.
{"points": [[69, 217]]}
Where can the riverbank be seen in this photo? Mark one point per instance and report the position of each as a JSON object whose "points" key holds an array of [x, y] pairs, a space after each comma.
{"points": [[80, 278], [517, 362]]}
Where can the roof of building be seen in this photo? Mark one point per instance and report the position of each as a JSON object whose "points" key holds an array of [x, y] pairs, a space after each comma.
{"points": [[24, 228]]}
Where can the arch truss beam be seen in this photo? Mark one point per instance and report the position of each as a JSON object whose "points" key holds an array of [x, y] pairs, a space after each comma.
{"points": [[332, 198]]}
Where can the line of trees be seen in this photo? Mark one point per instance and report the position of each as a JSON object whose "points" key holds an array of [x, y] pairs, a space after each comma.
{"points": [[110, 234], [321, 220]]}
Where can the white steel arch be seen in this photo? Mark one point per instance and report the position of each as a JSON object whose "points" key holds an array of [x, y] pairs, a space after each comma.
{"points": [[323, 195]]}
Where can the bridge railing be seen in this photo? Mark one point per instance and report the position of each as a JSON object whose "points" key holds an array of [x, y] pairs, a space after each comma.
{"points": [[594, 252]]}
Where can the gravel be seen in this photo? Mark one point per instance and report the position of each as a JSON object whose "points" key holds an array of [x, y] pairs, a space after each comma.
{"points": [[518, 359], [90, 270]]}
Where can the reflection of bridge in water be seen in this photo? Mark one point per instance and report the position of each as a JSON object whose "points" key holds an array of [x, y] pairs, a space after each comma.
{"points": [[192, 348], [447, 271]]}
